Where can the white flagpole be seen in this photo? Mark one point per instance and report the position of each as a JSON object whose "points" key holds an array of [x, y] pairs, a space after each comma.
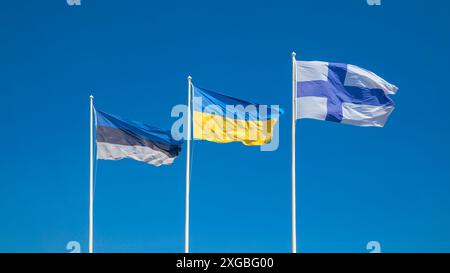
{"points": [[91, 178], [188, 167], [294, 117]]}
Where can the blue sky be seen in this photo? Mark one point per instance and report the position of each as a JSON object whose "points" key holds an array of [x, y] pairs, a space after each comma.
{"points": [[354, 184]]}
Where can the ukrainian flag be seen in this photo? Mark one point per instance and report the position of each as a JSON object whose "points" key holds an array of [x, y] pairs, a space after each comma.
{"points": [[223, 119]]}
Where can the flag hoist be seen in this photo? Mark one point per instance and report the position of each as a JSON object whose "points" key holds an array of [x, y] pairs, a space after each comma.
{"points": [[117, 138], [91, 176], [293, 197], [336, 92], [188, 165], [219, 118]]}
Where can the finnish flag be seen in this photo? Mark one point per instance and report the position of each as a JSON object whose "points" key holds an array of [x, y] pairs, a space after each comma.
{"points": [[342, 93]]}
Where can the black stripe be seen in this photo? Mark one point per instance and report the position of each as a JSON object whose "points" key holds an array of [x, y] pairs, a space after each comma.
{"points": [[126, 137]]}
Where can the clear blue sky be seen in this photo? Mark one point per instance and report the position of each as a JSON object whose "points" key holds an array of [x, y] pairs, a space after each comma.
{"points": [[354, 184]]}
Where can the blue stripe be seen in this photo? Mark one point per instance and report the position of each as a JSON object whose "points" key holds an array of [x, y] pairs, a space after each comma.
{"points": [[341, 94], [147, 132], [211, 102]]}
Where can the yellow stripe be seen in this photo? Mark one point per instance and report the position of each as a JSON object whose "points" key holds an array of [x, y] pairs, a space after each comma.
{"points": [[221, 129]]}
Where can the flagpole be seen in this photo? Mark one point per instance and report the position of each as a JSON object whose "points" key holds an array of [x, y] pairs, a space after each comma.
{"points": [[91, 178], [188, 167], [294, 113]]}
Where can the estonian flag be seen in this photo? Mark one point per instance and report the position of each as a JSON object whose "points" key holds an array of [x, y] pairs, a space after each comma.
{"points": [[118, 138]]}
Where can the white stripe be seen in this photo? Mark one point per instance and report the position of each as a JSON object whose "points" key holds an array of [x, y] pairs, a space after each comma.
{"points": [[312, 107], [141, 153], [359, 77], [365, 115], [312, 71]]}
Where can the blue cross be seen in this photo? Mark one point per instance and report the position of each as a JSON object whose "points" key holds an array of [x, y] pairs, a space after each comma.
{"points": [[337, 93]]}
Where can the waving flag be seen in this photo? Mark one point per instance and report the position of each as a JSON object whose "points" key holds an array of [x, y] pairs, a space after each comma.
{"points": [[223, 119], [342, 93], [118, 138]]}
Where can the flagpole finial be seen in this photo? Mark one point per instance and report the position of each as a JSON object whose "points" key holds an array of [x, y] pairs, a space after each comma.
{"points": [[91, 97], [189, 78], [293, 54]]}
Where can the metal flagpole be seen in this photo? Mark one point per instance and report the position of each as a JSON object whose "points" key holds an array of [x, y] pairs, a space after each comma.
{"points": [[91, 178], [294, 113], [188, 167]]}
